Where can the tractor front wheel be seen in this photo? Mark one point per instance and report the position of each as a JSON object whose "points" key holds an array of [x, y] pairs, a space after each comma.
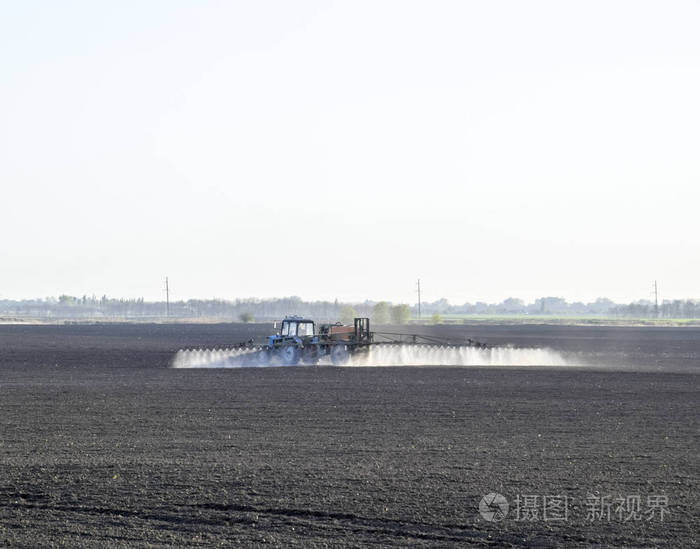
{"points": [[289, 355]]}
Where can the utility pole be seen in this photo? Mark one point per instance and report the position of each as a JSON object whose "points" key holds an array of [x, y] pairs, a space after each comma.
{"points": [[167, 297], [419, 299], [656, 300]]}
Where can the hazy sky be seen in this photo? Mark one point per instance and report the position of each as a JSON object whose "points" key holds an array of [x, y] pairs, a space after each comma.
{"points": [[344, 149]]}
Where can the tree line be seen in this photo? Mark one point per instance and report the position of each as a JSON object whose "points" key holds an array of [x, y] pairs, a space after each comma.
{"points": [[382, 312], [677, 308]]}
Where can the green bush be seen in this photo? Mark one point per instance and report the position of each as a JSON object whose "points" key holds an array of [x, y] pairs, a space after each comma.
{"points": [[380, 313], [246, 317], [347, 314], [400, 314]]}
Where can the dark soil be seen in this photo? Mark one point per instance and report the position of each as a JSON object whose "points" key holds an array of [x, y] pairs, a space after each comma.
{"points": [[103, 445]]}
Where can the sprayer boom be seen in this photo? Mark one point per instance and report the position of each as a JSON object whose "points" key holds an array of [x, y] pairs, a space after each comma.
{"points": [[298, 341]]}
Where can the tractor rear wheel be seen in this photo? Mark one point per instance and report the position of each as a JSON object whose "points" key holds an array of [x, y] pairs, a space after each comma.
{"points": [[340, 355]]}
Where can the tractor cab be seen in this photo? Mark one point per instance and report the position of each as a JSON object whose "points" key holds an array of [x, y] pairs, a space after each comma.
{"points": [[297, 327], [296, 333]]}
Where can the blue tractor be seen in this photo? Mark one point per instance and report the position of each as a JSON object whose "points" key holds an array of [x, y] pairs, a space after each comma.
{"points": [[299, 341]]}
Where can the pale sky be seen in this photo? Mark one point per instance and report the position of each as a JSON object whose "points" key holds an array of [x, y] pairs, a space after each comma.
{"points": [[345, 149]]}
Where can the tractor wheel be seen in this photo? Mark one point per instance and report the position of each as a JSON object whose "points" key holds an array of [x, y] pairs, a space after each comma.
{"points": [[289, 355], [340, 355]]}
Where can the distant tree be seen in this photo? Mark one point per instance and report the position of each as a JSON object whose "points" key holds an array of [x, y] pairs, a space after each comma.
{"points": [[246, 317], [347, 314], [400, 314], [380, 313], [552, 305], [436, 318], [441, 305], [513, 305], [602, 305]]}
